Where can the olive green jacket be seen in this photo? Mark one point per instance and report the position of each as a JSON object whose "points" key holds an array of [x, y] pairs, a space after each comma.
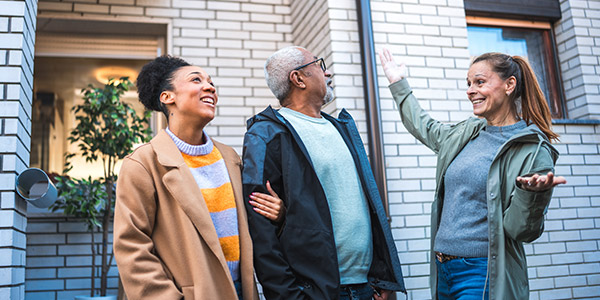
{"points": [[514, 215]]}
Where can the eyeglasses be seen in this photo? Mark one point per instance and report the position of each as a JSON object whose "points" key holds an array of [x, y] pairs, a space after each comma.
{"points": [[321, 64]]}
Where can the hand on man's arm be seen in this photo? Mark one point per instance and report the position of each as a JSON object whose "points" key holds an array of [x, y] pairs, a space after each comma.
{"points": [[272, 269]]}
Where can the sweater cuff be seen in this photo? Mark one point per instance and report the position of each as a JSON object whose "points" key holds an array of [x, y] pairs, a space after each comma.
{"points": [[400, 90]]}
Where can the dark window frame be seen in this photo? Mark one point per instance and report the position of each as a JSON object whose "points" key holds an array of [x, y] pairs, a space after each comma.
{"points": [[542, 10]]}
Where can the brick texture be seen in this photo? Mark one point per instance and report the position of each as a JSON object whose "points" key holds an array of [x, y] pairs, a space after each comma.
{"points": [[578, 43], [566, 256], [232, 39], [59, 259], [17, 35]]}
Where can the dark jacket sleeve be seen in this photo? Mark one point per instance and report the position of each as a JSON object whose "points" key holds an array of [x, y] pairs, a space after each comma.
{"points": [[262, 163]]}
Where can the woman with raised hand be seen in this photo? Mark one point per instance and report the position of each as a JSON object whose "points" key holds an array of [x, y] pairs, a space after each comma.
{"points": [[180, 228], [494, 177]]}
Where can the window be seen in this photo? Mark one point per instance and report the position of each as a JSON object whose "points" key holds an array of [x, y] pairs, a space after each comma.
{"points": [[69, 55], [530, 39], [57, 85]]}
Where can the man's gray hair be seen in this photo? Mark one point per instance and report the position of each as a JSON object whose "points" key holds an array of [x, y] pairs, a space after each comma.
{"points": [[278, 68]]}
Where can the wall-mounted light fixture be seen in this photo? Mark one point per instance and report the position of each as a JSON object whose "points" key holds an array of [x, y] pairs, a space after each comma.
{"points": [[104, 74]]}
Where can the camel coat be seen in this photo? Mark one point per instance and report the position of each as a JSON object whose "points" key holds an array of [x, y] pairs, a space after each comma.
{"points": [[165, 243]]}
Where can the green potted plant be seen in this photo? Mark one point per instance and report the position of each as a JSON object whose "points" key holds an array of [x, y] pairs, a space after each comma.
{"points": [[106, 129]]}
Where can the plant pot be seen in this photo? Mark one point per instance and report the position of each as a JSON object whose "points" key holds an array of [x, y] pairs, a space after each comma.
{"points": [[109, 297]]}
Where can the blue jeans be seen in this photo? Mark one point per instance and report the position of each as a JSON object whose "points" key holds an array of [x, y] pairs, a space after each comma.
{"points": [[356, 292], [463, 279]]}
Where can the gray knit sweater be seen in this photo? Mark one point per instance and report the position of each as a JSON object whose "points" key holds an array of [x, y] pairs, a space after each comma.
{"points": [[463, 229]]}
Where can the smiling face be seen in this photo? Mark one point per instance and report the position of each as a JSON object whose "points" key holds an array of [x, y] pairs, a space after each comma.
{"points": [[193, 97], [489, 94]]}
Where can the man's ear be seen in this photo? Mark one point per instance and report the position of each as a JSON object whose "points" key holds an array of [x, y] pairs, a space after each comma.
{"points": [[297, 79], [167, 97]]}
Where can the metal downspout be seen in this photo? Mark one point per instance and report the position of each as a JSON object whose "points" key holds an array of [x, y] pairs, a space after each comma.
{"points": [[371, 95]]}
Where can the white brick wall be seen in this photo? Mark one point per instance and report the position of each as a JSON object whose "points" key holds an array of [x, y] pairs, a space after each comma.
{"points": [[578, 42], [59, 259], [232, 39], [563, 262], [17, 32]]}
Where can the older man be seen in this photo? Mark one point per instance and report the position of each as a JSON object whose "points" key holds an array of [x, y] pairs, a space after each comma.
{"points": [[335, 242]]}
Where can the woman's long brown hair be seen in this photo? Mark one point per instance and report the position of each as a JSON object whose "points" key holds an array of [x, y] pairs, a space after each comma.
{"points": [[534, 108]]}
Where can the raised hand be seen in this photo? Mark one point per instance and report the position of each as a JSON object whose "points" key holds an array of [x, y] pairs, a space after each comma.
{"points": [[392, 71], [270, 206], [540, 183]]}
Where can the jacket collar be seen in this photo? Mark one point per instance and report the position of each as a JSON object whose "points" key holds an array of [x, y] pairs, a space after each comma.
{"points": [[270, 114], [530, 134], [344, 116], [273, 115], [183, 187], [165, 148]]}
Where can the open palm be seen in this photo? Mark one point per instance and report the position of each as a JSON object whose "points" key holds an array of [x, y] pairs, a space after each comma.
{"points": [[392, 71]]}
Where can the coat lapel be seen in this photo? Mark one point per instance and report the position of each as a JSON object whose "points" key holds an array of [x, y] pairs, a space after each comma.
{"points": [[181, 184]]}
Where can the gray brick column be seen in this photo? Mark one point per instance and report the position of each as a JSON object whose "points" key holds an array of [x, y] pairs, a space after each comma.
{"points": [[17, 36], [578, 41]]}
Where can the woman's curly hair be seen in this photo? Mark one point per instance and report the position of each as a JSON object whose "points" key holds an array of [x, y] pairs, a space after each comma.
{"points": [[156, 77]]}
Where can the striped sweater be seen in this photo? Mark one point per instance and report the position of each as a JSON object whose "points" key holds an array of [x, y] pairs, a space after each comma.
{"points": [[209, 170]]}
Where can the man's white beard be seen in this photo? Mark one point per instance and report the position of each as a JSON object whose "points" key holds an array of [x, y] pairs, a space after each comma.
{"points": [[329, 96]]}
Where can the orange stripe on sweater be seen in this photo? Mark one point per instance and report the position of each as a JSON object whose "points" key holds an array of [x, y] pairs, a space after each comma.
{"points": [[202, 160], [219, 199], [231, 247]]}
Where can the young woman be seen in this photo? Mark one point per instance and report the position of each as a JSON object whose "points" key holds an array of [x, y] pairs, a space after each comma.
{"points": [[494, 177], [180, 228]]}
